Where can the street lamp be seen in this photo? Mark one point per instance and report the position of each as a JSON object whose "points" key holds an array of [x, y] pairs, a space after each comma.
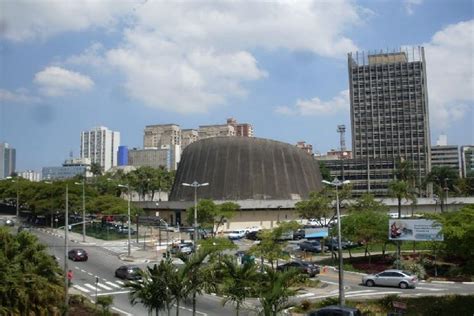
{"points": [[17, 198], [337, 183], [83, 183], [128, 214], [195, 185]]}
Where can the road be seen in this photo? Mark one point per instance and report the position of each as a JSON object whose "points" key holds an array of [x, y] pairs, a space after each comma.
{"points": [[103, 261]]}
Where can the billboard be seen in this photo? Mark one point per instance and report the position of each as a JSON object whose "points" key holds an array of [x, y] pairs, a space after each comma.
{"points": [[414, 229], [319, 232]]}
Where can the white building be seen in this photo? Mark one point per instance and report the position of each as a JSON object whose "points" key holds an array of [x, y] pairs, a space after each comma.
{"points": [[31, 175], [7, 160], [100, 145]]}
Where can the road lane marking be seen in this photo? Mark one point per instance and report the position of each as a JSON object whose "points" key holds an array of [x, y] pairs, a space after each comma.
{"points": [[89, 273], [374, 293], [428, 288], [305, 295], [113, 284], [104, 286], [92, 287], [361, 291], [443, 282], [121, 311], [80, 288], [120, 282], [113, 293]]}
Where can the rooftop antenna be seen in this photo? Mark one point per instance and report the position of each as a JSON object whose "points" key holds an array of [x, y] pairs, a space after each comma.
{"points": [[341, 129]]}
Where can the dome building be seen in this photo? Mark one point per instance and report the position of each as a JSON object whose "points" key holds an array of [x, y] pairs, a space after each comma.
{"points": [[265, 177]]}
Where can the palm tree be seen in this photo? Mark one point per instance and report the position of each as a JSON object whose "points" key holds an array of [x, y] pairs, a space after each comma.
{"points": [[275, 287], [238, 281], [152, 291]]}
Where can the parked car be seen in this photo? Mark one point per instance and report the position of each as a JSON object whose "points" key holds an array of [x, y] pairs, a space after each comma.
{"points": [[124, 230], [237, 234], [298, 234], [336, 310], [305, 267], [312, 246], [24, 228], [182, 247], [9, 222], [77, 255], [398, 278], [128, 272], [253, 235]]}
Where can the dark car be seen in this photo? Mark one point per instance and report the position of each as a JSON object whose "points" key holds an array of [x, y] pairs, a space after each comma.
{"points": [[333, 244], [128, 272], [305, 267], [335, 310], [9, 222], [298, 234], [311, 246], [77, 255], [253, 235], [24, 228]]}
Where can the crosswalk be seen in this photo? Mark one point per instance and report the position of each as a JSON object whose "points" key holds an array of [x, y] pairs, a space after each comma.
{"points": [[103, 287], [118, 247], [369, 292]]}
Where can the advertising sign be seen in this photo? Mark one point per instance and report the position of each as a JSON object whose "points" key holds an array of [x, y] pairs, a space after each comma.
{"points": [[414, 229], [319, 232]]}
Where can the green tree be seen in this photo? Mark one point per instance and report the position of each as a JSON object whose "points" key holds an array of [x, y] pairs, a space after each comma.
{"points": [[211, 215], [400, 190], [317, 207], [105, 302], [31, 282], [275, 287], [238, 282], [325, 173], [366, 227], [152, 291], [367, 202], [443, 179], [96, 169]]}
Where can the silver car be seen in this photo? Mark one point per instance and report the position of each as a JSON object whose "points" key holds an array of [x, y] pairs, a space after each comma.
{"points": [[398, 278]]}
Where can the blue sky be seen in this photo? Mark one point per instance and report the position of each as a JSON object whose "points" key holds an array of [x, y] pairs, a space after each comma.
{"points": [[68, 66]]}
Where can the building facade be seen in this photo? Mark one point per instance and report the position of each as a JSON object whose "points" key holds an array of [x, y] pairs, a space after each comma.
{"points": [[446, 156], [30, 175], [7, 160], [151, 157], [389, 108], [156, 136], [122, 156], [100, 145], [304, 146], [188, 136], [69, 169], [208, 131], [467, 161], [241, 129]]}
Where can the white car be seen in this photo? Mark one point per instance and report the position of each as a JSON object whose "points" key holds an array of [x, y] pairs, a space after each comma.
{"points": [[237, 234]]}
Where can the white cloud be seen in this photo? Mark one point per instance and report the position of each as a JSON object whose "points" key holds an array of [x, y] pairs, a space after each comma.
{"points": [[317, 107], [57, 81], [25, 19], [450, 72], [92, 56], [193, 56], [18, 96], [410, 5]]}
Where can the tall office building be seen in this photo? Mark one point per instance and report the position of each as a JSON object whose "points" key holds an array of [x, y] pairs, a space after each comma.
{"points": [[156, 136], [446, 156], [467, 161], [389, 107], [100, 145], [7, 160]]}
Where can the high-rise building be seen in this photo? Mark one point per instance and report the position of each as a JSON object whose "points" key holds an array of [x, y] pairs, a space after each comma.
{"points": [[467, 161], [446, 156], [7, 160], [241, 129], [389, 107], [188, 136], [31, 175], [165, 134], [207, 131], [70, 168], [100, 145], [122, 156]]}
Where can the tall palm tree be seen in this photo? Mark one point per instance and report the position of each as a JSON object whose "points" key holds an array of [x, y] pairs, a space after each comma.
{"points": [[238, 281], [275, 287], [151, 291]]}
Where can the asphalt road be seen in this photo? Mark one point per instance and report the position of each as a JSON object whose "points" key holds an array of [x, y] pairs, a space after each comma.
{"points": [[103, 261], [102, 264]]}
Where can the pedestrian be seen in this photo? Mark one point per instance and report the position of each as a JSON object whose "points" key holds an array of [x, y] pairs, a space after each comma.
{"points": [[70, 275]]}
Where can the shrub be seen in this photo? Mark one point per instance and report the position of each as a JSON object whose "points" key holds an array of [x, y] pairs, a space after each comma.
{"points": [[415, 268]]}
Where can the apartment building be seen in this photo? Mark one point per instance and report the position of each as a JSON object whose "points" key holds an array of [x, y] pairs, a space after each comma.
{"points": [[208, 131], [162, 134], [467, 161], [100, 145], [188, 136], [446, 156], [7, 160], [241, 129]]}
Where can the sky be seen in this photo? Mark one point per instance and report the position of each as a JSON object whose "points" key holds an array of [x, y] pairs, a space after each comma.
{"points": [[69, 66]]}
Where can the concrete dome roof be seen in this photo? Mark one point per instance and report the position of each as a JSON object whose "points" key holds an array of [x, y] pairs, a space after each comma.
{"points": [[241, 168]]}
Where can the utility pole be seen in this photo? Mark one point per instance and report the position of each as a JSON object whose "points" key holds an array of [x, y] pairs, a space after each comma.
{"points": [[66, 228]]}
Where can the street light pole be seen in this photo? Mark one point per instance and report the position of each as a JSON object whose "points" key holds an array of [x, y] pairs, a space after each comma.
{"points": [[66, 229], [83, 183], [128, 215], [195, 185], [336, 183]]}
